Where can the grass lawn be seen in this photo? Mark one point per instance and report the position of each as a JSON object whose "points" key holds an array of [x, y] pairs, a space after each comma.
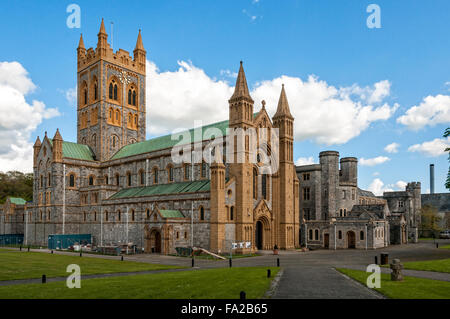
{"points": [[223, 283], [440, 265], [409, 288], [445, 247], [23, 265]]}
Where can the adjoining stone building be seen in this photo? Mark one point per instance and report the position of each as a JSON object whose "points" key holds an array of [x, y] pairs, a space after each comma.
{"points": [[122, 189], [12, 216], [335, 213]]}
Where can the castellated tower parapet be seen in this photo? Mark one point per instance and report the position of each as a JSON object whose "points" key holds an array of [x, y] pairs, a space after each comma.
{"points": [[87, 57], [348, 174]]}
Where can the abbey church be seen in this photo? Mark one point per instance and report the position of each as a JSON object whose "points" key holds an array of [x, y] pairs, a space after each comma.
{"points": [[121, 188]]}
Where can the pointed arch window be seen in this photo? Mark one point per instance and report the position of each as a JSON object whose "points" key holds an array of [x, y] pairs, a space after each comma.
{"points": [[95, 91], [170, 173], [129, 179], [264, 186], [129, 96], [232, 213], [134, 98], [71, 180], [255, 183], [155, 175], [142, 174], [115, 92], [202, 213], [111, 88]]}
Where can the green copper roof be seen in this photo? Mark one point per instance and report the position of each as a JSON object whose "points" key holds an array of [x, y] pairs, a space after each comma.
{"points": [[167, 213], [163, 142], [163, 189], [76, 151], [17, 200]]}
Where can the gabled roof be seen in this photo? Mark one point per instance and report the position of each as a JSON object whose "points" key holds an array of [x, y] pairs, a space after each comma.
{"points": [[164, 189], [375, 211], [168, 213], [17, 200], [76, 151], [362, 192], [163, 142]]}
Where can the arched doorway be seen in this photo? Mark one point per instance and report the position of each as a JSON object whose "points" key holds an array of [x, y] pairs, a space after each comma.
{"points": [[153, 244], [351, 242], [326, 241], [259, 235]]}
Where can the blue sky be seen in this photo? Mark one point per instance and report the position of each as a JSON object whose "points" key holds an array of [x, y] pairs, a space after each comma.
{"points": [[279, 41]]}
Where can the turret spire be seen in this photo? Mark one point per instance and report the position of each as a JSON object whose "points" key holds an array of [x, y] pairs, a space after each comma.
{"points": [[283, 105], [81, 43], [102, 28], [57, 136], [241, 88], [139, 44]]}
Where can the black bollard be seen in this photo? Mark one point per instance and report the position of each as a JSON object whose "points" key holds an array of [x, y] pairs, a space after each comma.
{"points": [[376, 260], [437, 245], [231, 262], [242, 295], [20, 247], [80, 253], [28, 248], [52, 251], [44, 279], [268, 273], [192, 262], [278, 262], [121, 258]]}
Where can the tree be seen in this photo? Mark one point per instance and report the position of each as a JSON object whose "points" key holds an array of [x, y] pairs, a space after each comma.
{"points": [[430, 218], [16, 184], [447, 182]]}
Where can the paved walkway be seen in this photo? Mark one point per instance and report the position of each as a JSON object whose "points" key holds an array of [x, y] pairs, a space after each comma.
{"points": [[306, 274]]}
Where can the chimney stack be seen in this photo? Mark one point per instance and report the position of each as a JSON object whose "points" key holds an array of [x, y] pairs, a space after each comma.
{"points": [[431, 178]]}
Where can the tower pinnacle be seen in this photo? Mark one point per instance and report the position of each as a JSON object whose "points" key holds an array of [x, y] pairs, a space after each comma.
{"points": [[241, 88], [283, 105]]}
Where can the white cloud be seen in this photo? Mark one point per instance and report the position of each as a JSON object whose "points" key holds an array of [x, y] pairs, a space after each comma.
{"points": [[323, 113], [378, 187], [401, 185], [228, 73], [376, 174], [19, 117], [175, 99], [71, 96], [431, 111], [432, 148], [373, 161], [305, 161], [392, 148]]}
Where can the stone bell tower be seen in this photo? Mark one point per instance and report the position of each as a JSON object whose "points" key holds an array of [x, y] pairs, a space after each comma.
{"points": [[111, 96]]}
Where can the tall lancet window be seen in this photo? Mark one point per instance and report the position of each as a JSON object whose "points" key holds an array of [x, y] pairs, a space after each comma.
{"points": [[264, 186]]}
